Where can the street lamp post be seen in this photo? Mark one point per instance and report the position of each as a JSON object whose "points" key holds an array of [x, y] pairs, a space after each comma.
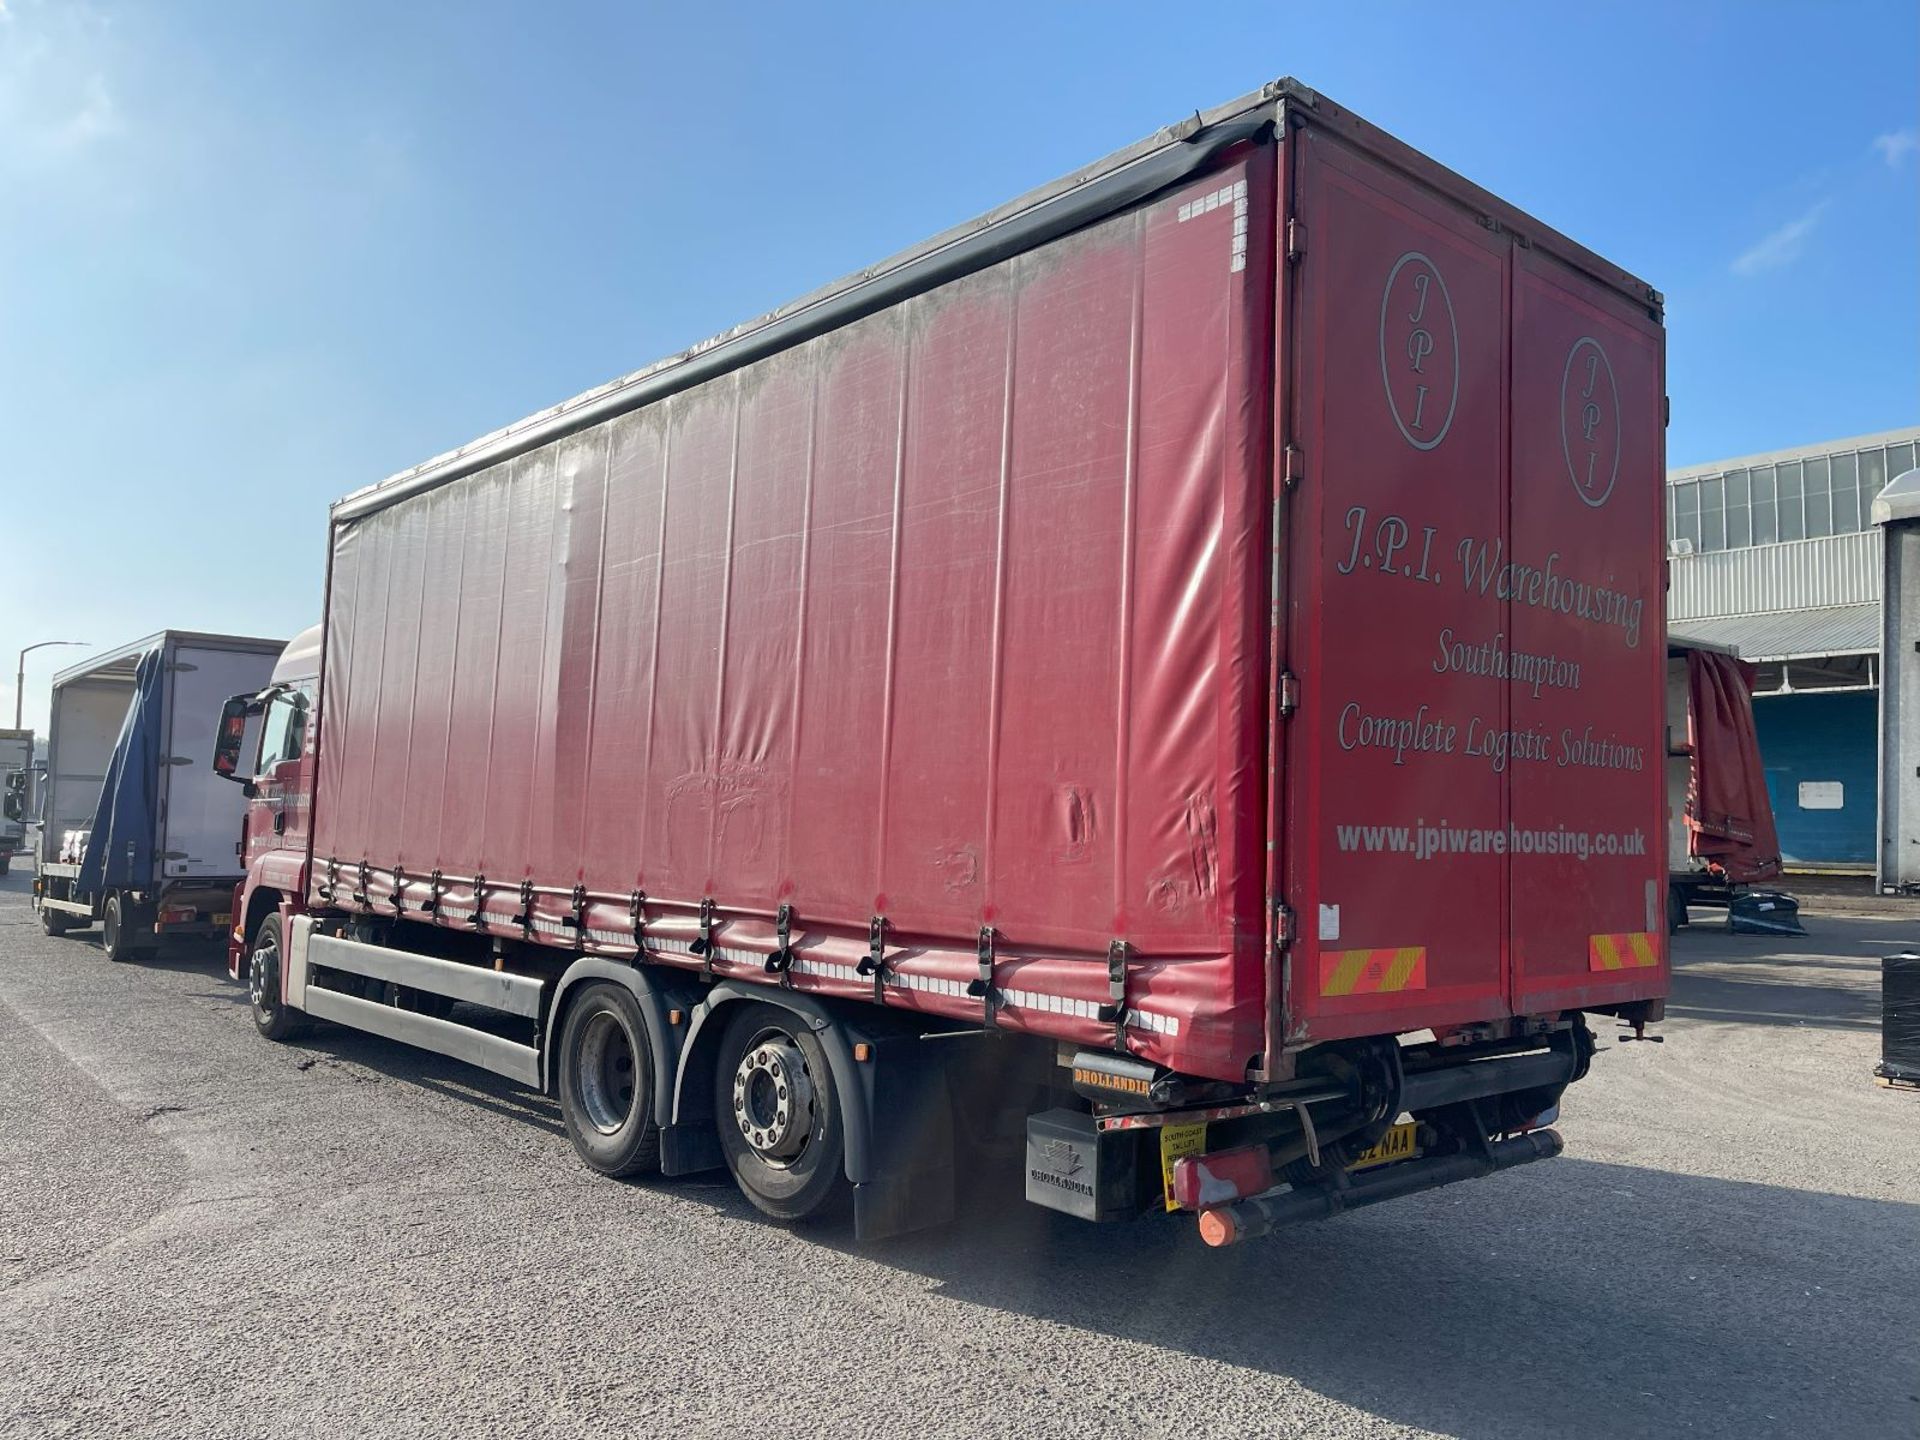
{"points": [[20, 676]]}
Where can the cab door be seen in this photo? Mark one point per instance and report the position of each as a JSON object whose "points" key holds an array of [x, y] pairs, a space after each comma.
{"points": [[278, 816]]}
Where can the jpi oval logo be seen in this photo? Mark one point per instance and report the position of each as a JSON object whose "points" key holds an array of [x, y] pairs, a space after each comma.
{"points": [[1419, 350], [1590, 421]]}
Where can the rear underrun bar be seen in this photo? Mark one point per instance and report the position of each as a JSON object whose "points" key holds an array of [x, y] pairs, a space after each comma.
{"points": [[1245, 1219]]}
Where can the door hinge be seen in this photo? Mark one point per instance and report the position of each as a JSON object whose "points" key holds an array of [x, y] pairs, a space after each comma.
{"points": [[1666, 410], [1282, 928], [1289, 692], [1293, 466], [1296, 238]]}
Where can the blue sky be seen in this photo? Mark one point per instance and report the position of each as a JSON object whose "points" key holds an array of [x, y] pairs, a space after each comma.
{"points": [[253, 257]]}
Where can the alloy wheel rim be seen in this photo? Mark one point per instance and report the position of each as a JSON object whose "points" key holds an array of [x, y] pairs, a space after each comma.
{"points": [[773, 1099], [257, 973]]}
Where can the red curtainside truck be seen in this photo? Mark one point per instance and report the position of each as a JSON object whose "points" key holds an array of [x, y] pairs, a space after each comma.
{"points": [[1167, 678]]}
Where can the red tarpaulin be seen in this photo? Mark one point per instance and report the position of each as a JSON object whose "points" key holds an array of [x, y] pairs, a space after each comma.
{"points": [[1729, 816]]}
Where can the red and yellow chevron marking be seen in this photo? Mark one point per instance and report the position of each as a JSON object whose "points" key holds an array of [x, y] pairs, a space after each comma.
{"points": [[1373, 972], [1622, 952]]}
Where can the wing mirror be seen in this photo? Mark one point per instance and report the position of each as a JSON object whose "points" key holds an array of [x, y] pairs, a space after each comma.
{"points": [[239, 719]]}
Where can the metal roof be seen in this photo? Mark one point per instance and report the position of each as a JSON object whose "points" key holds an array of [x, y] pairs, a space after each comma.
{"points": [[1904, 435], [1130, 175], [124, 660], [1789, 634]]}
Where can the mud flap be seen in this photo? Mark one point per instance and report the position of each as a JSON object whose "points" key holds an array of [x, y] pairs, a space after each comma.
{"points": [[911, 1172]]}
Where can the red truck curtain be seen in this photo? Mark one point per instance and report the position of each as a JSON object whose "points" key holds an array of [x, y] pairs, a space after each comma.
{"points": [[1729, 815]]}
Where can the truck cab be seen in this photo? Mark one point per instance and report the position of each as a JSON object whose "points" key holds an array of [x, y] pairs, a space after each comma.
{"points": [[266, 744]]}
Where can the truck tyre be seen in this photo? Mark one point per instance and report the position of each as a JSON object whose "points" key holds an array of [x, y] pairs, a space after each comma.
{"points": [[6, 862], [606, 1081], [1676, 909], [778, 1114], [272, 1016], [55, 922], [120, 929]]}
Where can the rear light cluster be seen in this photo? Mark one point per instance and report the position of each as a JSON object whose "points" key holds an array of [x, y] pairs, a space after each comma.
{"points": [[178, 915], [1221, 1176]]}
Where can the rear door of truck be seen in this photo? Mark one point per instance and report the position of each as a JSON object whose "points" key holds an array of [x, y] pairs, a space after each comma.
{"points": [[203, 811], [1588, 474], [1473, 610], [87, 715]]}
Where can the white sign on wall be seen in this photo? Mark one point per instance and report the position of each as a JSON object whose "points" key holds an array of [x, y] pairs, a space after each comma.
{"points": [[1823, 795]]}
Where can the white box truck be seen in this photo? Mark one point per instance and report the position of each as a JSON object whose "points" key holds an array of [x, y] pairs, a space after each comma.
{"points": [[138, 833]]}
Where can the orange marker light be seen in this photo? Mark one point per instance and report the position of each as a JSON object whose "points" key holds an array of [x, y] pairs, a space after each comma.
{"points": [[863, 1051]]}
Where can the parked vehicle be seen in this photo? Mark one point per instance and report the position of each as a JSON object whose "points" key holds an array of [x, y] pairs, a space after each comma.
{"points": [[16, 793], [1170, 672], [136, 831], [1721, 839]]}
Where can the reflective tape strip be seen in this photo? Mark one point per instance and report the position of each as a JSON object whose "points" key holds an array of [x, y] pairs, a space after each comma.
{"points": [[1373, 972], [1635, 950], [1086, 1010], [1236, 196]]}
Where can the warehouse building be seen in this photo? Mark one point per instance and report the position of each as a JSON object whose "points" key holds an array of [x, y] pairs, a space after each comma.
{"points": [[1777, 557]]}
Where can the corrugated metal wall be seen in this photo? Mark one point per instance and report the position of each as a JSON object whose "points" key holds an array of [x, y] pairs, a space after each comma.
{"points": [[1798, 575]]}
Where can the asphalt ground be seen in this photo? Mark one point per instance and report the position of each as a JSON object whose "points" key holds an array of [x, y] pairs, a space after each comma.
{"points": [[203, 1234]]}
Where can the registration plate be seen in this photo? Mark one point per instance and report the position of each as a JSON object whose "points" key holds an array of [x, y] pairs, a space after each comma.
{"points": [[1399, 1143], [226, 919]]}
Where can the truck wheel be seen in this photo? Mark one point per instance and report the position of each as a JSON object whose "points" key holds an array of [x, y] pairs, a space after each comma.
{"points": [[272, 1016], [779, 1116], [6, 862], [606, 1081], [120, 931], [55, 922]]}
